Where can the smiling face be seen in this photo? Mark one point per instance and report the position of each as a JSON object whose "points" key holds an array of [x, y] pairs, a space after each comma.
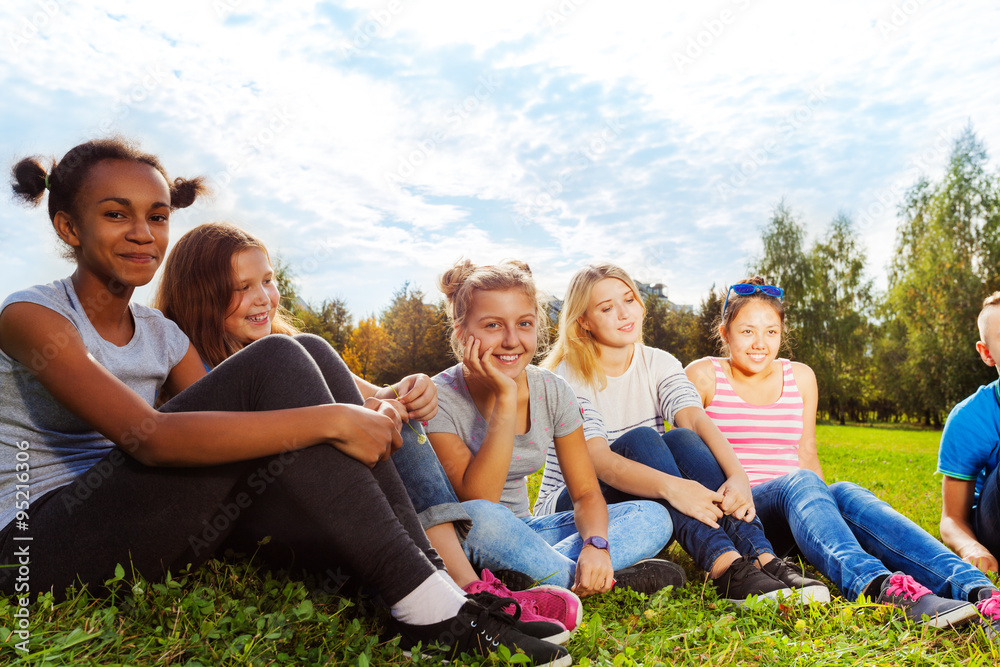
{"points": [[255, 299], [505, 320], [753, 337], [614, 314], [120, 227]]}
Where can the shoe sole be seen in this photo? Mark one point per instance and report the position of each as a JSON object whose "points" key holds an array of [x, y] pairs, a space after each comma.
{"points": [[579, 606], [954, 618], [772, 596], [564, 661], [807, 594], [560, 638]]}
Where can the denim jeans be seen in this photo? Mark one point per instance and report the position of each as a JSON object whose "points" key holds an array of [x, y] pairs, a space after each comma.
{"points": [[903, 545], [986, 517], [546, 547], [702, 542], [427, 485], [851, 536]]}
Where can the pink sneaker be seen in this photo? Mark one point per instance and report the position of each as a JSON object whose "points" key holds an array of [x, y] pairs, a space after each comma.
{"points": [[989, 607], [546, 603]]}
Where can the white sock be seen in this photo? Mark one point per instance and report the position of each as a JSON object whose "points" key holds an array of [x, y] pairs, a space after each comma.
{"points": [[433, 601]]}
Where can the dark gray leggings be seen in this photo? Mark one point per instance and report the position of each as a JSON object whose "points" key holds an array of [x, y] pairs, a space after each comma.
{"points": [[323, 510]]}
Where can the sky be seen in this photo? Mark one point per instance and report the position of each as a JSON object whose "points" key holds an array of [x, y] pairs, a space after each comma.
{"points": [[373, 143]]}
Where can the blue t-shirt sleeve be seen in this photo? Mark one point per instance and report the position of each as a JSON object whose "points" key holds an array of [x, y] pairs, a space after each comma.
{"points": [[971, 436]]}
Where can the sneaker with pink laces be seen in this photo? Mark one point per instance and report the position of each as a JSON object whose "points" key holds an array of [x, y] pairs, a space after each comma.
{"points": [[917, 602], [989, 609], [541, 602]]}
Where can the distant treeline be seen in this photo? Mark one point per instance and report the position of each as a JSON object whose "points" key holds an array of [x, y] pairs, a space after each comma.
{"points": [[904, 354]]}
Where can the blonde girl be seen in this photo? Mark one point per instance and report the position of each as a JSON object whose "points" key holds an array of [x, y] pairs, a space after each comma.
{"points": [[629, 392], [498, 416]]}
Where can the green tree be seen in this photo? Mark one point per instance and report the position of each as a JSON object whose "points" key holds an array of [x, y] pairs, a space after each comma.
{"points": [[331, 320], [417, 334], [834, 333], [946, 261], [702, 341], [784, 261]]}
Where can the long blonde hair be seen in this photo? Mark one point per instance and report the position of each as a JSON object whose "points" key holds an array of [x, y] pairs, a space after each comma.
{"points": [[575, 344], [460, 283]]}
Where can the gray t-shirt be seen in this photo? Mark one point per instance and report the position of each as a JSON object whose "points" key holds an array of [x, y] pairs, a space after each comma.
{"points": [[553, 413], [60, 446]]}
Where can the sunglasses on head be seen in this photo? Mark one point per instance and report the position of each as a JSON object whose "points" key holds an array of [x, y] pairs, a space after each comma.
{"points": [[746, 289]]}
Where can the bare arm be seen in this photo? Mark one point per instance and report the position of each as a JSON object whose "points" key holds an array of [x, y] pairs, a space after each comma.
{"points": [[594, 572], [629, 476], [483, 474], [197, 438], [808, 453], [956, 531]]}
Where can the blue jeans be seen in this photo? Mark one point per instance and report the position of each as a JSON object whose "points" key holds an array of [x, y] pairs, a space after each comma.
{"points": [[986, 516], [427, 485], [547, 547], [851, 536], [704, 543]]}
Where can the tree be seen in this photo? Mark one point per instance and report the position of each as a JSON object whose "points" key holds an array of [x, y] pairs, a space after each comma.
{"points": [[331, 320], [366, 349], [834, 332], [702, 341], [785, 262], [417, 336], [946, 261]]}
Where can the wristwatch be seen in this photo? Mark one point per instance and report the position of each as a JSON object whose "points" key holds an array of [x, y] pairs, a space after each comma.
{"points": [[598, 542]]}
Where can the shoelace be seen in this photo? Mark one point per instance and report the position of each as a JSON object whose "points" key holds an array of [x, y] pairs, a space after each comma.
{"points": [[906, 586], [990, 607]]}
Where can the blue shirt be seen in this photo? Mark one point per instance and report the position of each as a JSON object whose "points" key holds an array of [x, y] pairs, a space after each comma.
{"points": [[970, 444]]}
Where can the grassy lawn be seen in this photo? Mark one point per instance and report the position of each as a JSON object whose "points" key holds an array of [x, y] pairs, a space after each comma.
{"points": [[232, 613]]}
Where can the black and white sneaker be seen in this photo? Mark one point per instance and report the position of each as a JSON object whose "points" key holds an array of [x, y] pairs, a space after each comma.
{"points": [[651, 575], [549, 630], [476, 630], [743, 578], [794, 576]]}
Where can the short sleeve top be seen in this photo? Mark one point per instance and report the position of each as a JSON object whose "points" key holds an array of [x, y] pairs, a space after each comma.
{"points": [[553, 413]]}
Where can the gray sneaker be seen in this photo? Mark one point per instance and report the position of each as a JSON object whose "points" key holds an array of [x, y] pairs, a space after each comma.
{"points": [[918, 603]]}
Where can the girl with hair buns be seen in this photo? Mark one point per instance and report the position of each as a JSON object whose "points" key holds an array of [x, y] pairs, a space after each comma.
{"points": [[766, 406], [497, 417], [256, 448]]}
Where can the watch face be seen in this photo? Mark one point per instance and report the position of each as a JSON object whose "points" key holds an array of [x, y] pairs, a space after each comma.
{"points": [[597, 541]]}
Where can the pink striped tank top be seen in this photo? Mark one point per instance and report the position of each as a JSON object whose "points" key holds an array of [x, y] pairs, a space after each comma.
{"points": [[764, 437]]}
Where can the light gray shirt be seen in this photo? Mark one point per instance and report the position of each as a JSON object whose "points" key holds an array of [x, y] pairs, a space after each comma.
{"points": [[553, 413], [60, 446]]}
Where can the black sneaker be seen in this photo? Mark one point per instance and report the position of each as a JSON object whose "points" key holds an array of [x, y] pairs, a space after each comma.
{"points": [[514, 580], [917, 602], [743, 578], [794, 576], [550, 631], [650, 575], [476, 630]]}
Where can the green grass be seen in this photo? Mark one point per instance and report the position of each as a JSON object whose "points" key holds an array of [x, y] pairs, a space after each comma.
{"points": [[233, 613]]}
